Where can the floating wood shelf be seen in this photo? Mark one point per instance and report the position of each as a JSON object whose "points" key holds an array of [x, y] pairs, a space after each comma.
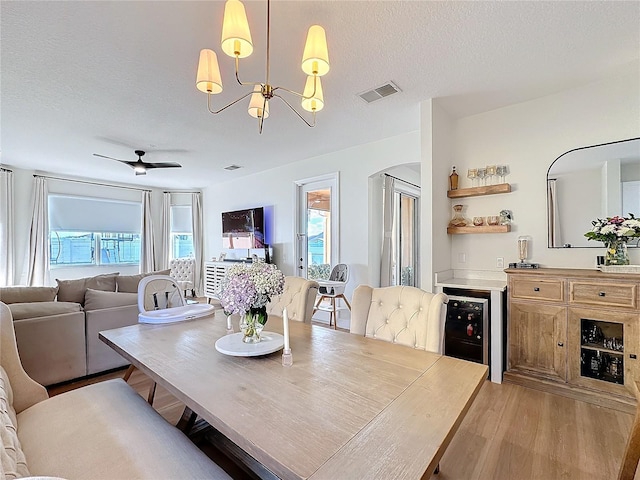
{"points": [[480, 229], [477, 191]]}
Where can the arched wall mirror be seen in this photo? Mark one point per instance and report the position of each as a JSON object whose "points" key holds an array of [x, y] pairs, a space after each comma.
{"points": [[589, 183]]}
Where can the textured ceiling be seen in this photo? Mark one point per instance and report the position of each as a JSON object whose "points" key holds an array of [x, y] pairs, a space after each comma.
{"points": [[108, 77]]}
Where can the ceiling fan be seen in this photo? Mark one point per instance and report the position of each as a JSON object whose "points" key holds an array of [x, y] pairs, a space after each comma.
{"points": [[141, 167]]}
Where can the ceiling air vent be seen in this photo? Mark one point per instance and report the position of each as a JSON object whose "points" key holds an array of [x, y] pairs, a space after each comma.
{"points": [[232, 167], [379, 92]]}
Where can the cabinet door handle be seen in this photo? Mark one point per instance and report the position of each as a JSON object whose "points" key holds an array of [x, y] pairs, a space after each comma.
{"points": [[536, 289], [560, 344], [633, 355], [601, 294]]}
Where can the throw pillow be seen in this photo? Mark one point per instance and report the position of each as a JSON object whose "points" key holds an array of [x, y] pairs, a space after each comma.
{"points": [[129, 283], [97, 299], [73, 290], [27, 294]]}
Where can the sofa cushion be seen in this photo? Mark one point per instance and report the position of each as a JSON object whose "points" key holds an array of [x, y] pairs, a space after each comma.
{"points": [[12, 460], [107, 431], [21, 311], [97, 299], [27, 294], [129, 283], [73, 290]]}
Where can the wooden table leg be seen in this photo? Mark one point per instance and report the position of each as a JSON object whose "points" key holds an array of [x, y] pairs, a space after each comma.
{"points": [[128, 373], [187, 420], [152, 393]]}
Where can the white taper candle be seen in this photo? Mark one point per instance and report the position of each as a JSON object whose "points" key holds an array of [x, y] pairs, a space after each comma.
{"points": [[285, 323]]}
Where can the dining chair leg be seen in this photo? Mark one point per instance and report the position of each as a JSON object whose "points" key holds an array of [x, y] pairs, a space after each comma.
{"points": [[128, 373]]}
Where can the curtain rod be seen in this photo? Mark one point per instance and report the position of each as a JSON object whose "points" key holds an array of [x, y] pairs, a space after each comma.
{"points": [[408, 183], [92, 183], [2, 169], [179, 191]]}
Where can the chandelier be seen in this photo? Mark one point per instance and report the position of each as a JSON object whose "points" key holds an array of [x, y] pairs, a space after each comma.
{"points": [[236, 42]]}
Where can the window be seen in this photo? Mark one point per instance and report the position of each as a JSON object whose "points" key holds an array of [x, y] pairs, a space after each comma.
{"points": [[92, 231], [181, 232], [79, 248]]}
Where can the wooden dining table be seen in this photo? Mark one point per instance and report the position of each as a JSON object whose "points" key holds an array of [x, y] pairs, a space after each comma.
{"points": [[349, 407]]}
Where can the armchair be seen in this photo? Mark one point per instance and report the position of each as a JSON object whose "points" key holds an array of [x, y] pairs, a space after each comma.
{"points": [[182, 270]]}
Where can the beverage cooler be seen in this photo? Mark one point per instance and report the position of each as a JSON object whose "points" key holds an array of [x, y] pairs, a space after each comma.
{"points": [[467, 328]]}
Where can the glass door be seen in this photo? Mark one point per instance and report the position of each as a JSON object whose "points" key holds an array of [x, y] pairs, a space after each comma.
{"points": [[404, 239], [316, 242]]}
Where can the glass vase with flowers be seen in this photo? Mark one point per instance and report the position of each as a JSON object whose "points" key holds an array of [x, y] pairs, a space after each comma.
{"points": [[615, 233], [246, 290]]}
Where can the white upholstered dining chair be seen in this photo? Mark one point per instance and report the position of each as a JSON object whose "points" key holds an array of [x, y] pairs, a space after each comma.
{"points": [[298, 297], [404, 315]]}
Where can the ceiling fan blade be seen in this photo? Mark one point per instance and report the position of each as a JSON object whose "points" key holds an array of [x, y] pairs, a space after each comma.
{"points": [[110, 158], [162, 165]]}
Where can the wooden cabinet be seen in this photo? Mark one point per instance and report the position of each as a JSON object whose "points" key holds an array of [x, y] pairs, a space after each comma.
{"points": [[576, 333], [537, 337], [214, 273]]}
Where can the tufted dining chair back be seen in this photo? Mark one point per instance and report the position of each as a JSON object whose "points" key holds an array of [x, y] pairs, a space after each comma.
{"points": [[298, 297], [404, 315], [183, 271]]}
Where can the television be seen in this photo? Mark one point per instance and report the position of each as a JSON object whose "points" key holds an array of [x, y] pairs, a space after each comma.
{"points": [[243, 228]]}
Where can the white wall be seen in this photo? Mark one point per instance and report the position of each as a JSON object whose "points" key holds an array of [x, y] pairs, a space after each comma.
{"points": [[275, 189], [23, 191], [529, 137]]}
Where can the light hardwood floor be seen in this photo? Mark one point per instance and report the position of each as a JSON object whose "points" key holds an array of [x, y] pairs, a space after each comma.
{"points": [[510, 433]]}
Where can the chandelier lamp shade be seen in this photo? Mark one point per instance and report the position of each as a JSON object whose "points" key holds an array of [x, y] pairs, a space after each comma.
{"points": [[236, 42]]}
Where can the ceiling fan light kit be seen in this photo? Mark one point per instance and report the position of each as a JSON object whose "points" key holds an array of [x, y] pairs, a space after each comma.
{"points": [[237, 43]]}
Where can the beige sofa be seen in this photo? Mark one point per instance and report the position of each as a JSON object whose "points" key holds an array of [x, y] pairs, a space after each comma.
{"points": [[102, 431], [57, 327]]}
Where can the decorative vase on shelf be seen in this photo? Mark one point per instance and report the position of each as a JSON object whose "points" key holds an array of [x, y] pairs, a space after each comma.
{"points": [[458, 219], [616, 253], [453, 180]]}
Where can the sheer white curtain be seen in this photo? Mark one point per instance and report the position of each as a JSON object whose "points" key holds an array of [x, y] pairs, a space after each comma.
{"points": [[553, 214], [165, 243], [6, 227], [147, 260], [386, 264], [38, 269], [198, 239]]}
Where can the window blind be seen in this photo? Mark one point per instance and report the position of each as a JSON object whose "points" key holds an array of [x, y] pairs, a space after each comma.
{"points": [[88, 214], [181, 219]]}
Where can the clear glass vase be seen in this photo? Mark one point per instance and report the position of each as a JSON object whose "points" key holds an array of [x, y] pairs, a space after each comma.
{"points": [[251, 327], [616, 253]]}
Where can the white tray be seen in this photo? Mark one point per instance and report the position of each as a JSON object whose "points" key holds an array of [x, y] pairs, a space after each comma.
{"points": [[620, 268], [233, 345], [176, 314]]}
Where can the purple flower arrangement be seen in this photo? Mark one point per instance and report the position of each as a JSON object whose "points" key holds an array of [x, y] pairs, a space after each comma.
{"points": [[250, 286]]}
